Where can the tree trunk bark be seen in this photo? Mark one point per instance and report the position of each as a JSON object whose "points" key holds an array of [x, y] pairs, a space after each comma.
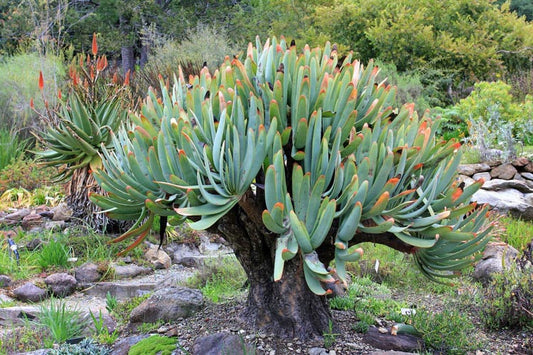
{"points": [[128, 59], [77, 192], [286, 308]]}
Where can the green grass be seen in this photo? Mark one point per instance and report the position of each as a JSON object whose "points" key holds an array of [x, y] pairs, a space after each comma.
{"points": [[11, 147], [516, 233], [219, 279], [62, 323], [54, 253]]}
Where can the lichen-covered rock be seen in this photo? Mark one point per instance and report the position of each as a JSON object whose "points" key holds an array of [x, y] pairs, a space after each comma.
{"points": [[158, 257], [29, 293], [87, 273], [168, 304]]}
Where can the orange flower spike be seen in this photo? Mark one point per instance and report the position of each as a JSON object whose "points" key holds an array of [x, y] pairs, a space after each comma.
{"points": [[95, 45], [41, 81], [31, 103], [59, 96], [91, 73], [115, 78], [127, 79]]}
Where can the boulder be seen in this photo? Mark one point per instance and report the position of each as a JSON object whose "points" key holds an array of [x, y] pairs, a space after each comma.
{"points": [[529, 167], [31, 221], [158, 257], [61, 284], [122, 346], [34, 244], [528, 176], [484, 175], [18, 215], [129, 271], [508, 201], [471, 169], [387, 341], [500, 184], [87, 273], [5, 281], [221, 343], [495, 257], [504, 171], [168, 304], [520, 162], [61, 212], [29, 293], [187, 255]]}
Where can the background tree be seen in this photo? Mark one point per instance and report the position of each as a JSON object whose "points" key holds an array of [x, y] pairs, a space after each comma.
{"points": [[295, 159]]}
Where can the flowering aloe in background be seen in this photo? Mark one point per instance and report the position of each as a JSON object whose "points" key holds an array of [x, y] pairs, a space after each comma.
{"points": [[295, 159], [79, 127]]}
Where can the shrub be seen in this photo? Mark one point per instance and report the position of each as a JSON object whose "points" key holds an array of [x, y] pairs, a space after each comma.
{"points": [[12, 147], [449, 332], [219, 280], [508, 301], [20, 75], [86, 346], [26, 174], [155, 344]]}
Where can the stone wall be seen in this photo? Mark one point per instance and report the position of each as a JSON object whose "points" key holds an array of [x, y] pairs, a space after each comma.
{"points": [[508, 187]]}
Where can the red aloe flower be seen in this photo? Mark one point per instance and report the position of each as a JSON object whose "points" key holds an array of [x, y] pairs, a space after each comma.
{"points": [[95, 45], [41, 81]]}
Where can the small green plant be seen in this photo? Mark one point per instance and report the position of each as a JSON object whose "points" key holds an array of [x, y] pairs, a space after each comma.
{"points": [[155, 344], [449, 331], [123, 309], [54, 253], [219, 280], [12, 147], [86, 346], [62, 323], [508, 301], [361, 327], [516, 232], [110, 302], [101, 333], [150, 327], [330, 336], [23, 339]]}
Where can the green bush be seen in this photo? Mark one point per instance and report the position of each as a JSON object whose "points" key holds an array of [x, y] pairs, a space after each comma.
{"points": [[26, 174], [155, 344], [508, 300], [20, 76], [448, 332], [12, 147]]}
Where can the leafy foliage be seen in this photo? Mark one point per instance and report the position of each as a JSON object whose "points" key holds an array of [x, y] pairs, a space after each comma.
{"points": [[319, 144], [54, 253], [155, 344], [26, 174], [62, 323]]}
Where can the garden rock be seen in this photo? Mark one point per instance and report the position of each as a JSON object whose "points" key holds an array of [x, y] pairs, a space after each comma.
{"points": [[29, 293], [87, 273], [500, 184], [387, 341], [31, 221], [13, 316], [221, 343], [508, 201], [187, 255], [17, 216], [158, 257], [61, 212], [5, 281], [130, 271], [122, 347], [61, 284], [208, 247], [484, 175], [5, 298], [120, 290], [520, 162], [54, 226], [471, 169], [168, 304], [528, 176], [505, 171], [495, 257], [34, 244]]}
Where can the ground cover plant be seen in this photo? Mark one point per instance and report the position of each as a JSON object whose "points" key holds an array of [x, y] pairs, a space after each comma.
{"points": [[304, 148]]}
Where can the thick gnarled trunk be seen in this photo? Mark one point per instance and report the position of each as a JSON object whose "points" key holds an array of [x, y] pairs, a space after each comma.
{"points": [[286, 308]]}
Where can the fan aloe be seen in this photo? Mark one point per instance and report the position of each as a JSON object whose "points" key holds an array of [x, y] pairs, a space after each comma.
{"points": [[78, 129], [296, 159]]}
